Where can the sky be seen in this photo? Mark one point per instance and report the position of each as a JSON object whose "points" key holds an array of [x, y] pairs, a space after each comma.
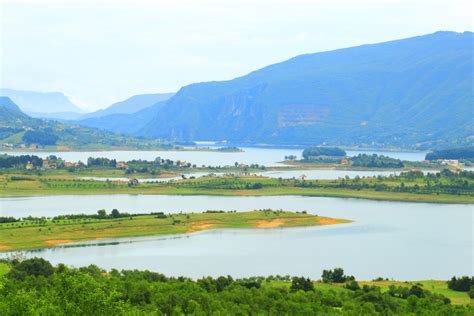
{"points": [[102, 51]]}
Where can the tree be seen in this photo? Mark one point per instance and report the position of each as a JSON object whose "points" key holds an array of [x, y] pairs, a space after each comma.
{"points": [[312, 152], [33, 266], [352, 285], [102, 213], [301, 283], [462, 284], [336, 276], [115, 213], [40, 137]]}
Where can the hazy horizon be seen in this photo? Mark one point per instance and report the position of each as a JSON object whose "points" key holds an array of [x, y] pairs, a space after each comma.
{"points": [[168, 45]]}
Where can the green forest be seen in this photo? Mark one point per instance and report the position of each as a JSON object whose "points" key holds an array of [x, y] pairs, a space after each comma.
{"points": [[464, 153], [36, 287]]}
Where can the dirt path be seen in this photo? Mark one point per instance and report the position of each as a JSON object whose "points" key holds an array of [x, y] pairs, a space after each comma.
{"points": [[270, 224], [197, 226], [328, 221], [5, 248], [54, 242]]}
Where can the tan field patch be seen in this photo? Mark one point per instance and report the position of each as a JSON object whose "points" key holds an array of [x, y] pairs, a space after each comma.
{"points": [[5, 248], [270, 224], [328, 221], [54, 242], [168, 175], [197, 226]]}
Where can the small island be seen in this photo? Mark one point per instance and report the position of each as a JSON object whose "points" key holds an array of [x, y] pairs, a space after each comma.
{"points": [[43, 232]]}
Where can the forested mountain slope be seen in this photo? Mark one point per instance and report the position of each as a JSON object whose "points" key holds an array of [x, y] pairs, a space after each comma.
{"points": [[415, 92]]}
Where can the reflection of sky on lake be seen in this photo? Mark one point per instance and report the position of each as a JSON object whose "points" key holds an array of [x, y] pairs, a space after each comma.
{"points": [[406, 241]]}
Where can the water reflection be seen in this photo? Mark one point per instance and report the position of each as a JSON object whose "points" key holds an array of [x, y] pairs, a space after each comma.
{"points": [[407, 241]]}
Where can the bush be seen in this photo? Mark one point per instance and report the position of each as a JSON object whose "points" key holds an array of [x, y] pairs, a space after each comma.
{"points": [[44, 138], [34, 267], [301, 283], [311, 152], [336, 276], [462, 284]]}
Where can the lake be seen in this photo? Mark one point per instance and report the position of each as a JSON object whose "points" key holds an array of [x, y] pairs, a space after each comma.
{"points": [[407, 241], [284, 174], [250, 155]]}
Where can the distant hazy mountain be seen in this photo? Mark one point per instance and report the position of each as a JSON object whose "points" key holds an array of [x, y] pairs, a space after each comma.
{"points": [[131, 105], [43, 104], [61, 116], [415, 92], [127, 124]]}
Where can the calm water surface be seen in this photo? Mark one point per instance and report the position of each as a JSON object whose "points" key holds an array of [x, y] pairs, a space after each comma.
{"points": [[250, 155], [285, 174], [405, 241]]}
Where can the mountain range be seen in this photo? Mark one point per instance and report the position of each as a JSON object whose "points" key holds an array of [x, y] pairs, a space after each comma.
{"points": [[411, 93], [415, 92], [43, 104], [130, 105]]}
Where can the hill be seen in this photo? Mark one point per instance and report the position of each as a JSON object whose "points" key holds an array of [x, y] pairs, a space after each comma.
{"points": [[10, 113], [20, 130], [43, 104], [122, 123], [464, 153], [130, 105], [413, 93]]}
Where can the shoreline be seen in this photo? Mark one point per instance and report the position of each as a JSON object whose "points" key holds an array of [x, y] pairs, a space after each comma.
{"points": [[61, 232], [350, 194]]}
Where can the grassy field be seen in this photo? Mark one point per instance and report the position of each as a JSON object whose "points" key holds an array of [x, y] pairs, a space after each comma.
{"points": [[41, 234], [30, 185], [435, 286], [104, 172]]}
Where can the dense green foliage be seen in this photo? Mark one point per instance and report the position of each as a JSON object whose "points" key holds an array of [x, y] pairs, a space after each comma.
{"points": [[7, 161], [311, 152], [101, 162], [336, 276], [454, 153], [35, 287], [44, 137], [6, 132], [376, 161], [463, 284], [444, 182]]}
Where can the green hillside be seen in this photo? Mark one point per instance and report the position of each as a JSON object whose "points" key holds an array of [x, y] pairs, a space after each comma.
{"points": [[18, 129]]}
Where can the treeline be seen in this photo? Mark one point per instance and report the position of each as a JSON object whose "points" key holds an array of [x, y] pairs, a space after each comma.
{"points": [[44, 137], [153, 167], [312, 152], [101, 214], [101, 162], [334, 155], [455, 153], [462, 284], [444, 182], [7, 161], [376, 161], [35, 287], [233, 183]]}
